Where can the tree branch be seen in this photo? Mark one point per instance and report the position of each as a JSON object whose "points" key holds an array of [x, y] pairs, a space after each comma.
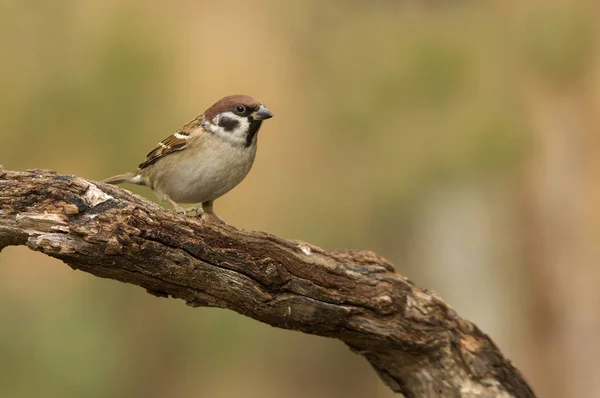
{"points": [[417, 344]]}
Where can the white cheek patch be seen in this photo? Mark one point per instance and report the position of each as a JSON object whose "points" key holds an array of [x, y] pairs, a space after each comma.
{"points": [[242, 128], [235, 136]]}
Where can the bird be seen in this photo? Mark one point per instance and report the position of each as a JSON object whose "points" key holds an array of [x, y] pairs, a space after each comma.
{"points": [[204, 159]]}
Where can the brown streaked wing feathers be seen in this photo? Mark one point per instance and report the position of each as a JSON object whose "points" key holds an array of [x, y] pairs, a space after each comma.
{"points": [[170, 144]]}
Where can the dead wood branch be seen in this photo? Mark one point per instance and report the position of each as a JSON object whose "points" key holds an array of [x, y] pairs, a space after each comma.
{"points": [[417, 344]]}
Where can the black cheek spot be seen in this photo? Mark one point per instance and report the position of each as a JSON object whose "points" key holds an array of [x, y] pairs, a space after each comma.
{"points": [[228, 124]]}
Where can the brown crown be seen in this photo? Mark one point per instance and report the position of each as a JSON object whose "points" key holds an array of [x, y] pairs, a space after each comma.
{"points": [[229, 102]]}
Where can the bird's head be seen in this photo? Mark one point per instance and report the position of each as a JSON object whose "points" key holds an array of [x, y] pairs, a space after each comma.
{"points": [[236, 119]]}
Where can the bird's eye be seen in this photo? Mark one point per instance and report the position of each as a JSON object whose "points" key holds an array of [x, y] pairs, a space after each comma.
{"points": [[240, 109]]}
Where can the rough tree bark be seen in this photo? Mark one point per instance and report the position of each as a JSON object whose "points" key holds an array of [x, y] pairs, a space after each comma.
{"points": [[416, 343]]}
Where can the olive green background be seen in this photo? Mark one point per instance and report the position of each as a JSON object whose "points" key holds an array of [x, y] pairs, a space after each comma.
{"points": [[460, 139]]}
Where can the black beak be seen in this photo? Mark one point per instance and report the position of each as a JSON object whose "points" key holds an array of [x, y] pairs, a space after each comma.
{"points": [[262, 113]]}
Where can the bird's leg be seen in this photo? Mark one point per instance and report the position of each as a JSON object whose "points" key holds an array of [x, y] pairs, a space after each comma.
{"points": [[182, 210], [178, 209], [208, 209]]}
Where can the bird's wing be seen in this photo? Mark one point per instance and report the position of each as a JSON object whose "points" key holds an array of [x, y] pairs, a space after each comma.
{"points": [[173, 143]]}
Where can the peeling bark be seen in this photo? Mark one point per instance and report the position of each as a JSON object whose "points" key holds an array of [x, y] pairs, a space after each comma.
{"points": [[416, 343]]}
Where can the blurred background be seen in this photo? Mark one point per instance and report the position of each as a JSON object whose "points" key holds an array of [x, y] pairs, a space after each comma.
{"points": [[459, 139]]}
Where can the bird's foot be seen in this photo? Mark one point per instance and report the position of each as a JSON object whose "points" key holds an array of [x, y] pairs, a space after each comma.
{"points": [[214, 217], [208, 210], [194, 209], [184, 211]]}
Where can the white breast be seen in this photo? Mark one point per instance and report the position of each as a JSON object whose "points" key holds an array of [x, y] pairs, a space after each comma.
{"points": [[207, 175]]}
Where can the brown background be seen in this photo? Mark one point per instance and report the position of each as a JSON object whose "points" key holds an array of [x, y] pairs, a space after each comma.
{"points": [[459, 140]]}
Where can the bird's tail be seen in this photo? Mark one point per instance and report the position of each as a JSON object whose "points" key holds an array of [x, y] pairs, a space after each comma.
{"points": [[131, 177]]}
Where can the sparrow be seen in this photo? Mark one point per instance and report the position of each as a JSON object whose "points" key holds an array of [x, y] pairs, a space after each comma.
{"points": [[205, 158]]}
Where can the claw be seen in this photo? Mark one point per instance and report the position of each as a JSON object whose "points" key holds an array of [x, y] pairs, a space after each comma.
{"points": [[194, 209], [184, 211]]}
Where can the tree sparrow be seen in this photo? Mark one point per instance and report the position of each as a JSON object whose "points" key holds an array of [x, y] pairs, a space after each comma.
{"points": [[205, 158]]}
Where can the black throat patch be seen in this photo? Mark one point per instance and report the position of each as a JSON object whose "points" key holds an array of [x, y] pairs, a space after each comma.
{"points": [[228, 124], [252, 131]]}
